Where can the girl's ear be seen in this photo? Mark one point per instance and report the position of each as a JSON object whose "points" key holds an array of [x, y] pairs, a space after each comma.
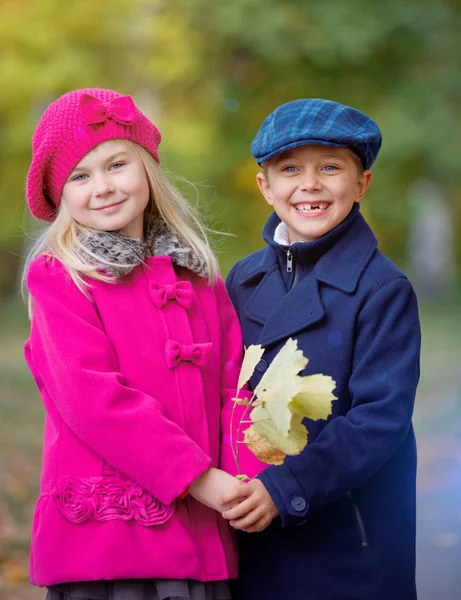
{"points": [[363, 183], [264, 188]]}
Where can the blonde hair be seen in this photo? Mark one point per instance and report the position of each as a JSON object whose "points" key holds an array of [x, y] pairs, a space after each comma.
{"points": [[64, 238]]}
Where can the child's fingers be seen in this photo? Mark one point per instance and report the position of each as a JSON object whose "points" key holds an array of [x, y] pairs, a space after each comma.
{"points": [[236, 496], [260, 525], [240, 510], [226, 507], [248, 521]]}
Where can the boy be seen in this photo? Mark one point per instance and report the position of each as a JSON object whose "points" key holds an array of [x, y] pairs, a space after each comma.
{"points": [[336, 522]]}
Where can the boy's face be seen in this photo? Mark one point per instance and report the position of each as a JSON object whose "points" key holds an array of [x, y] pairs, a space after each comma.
{"points": [[313, 188]]}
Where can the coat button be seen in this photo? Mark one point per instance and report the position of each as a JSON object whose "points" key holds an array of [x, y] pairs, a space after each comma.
{"points": [[261, 367], [298, 503]]}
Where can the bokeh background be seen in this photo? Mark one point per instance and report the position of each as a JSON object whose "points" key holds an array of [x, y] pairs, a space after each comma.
{"points": [[207, 72]]}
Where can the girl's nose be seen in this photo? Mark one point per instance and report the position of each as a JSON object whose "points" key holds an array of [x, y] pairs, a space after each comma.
{"points": [[102, 185]]}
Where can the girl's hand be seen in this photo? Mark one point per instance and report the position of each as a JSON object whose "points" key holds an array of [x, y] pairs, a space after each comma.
{"points": [[213, 485], [253, 514]]}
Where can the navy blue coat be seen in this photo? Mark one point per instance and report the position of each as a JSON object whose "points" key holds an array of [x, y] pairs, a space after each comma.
{"points": [[346, 529]]}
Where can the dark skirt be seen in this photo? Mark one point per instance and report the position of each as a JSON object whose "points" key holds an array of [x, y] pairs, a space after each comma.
{"points": [[141, 589]]}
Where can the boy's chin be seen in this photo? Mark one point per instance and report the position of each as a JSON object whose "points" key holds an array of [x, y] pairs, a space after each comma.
{"points": [[307, 234]]}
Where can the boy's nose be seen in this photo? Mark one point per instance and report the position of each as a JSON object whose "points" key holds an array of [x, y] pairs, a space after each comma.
{"points": [[310, 180]]}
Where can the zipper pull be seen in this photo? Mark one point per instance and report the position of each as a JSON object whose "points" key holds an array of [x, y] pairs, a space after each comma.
{"points": [[289, 261]]}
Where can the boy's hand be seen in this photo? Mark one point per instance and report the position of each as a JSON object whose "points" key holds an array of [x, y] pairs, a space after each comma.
{"points": [[253, 514], [210, 487]]}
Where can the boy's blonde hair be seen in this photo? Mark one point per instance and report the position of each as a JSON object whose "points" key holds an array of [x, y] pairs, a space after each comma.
{"points": [[62, 239]]}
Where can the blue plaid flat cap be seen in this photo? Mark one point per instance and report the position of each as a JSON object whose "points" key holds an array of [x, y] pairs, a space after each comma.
{"points": [[316, 121]]}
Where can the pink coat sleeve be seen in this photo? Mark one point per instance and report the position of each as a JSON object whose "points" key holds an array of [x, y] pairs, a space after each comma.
{"points": [[230, 414], [232, 344], [232, 362], [72, 358]]}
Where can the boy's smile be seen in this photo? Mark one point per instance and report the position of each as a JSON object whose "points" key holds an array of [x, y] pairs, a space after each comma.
{"points": [[313, 188]]}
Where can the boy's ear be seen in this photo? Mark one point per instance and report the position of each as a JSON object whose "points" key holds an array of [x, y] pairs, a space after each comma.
{"points": [[363, 183], [264, 188]]}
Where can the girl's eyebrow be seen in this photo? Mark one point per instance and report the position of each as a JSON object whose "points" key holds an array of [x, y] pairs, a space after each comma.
{"points": [[109, 159], [119, 154]]}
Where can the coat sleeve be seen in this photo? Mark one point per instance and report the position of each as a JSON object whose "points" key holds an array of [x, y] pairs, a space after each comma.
{"points": [[73, 361], [231, 364], [351, 448], [232, 343], [230, 284]]}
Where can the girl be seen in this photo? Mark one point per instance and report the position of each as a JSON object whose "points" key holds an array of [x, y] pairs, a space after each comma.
{"points": [[134, 347]]}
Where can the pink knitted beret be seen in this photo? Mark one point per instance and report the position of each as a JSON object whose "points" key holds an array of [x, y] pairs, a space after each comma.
{"points": [[69, 128]]}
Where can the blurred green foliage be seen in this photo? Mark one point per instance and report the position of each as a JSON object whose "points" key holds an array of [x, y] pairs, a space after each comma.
{"points": [[209, 72]]}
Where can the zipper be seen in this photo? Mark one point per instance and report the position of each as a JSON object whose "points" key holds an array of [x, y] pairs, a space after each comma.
{"points": [[290, 268], [289, 261], [359, 521]]}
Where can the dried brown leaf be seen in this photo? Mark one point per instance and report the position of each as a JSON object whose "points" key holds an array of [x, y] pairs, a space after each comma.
{"points": [[262, 449], [291, 444]]}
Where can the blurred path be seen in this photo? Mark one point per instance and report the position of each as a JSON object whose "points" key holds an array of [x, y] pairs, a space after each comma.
{"points": [[438, 429]]}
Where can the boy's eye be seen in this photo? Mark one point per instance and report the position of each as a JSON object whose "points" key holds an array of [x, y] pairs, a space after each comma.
{"points": [[289, 169], [330, 168]]}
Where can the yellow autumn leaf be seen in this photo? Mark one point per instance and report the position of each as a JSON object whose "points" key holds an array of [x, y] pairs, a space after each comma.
{"points": [[250, 360], [293, 443], [241, 401], [280, 384], [315, 398], [261, 448]]}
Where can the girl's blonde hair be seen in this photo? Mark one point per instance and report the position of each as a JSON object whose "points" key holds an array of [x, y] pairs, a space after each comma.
{"points": [[64, 238]]}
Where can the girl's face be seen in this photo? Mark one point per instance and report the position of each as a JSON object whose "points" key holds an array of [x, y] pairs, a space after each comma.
{"points": [[108, 190], [312, 189]]}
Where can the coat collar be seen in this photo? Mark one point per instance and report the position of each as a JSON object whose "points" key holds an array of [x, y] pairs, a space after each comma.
{"points": [[117, 255], [284, 312], [347, 250]]}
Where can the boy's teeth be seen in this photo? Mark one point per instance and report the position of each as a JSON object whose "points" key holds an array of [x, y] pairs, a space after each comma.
{"points": [[311, 208]]}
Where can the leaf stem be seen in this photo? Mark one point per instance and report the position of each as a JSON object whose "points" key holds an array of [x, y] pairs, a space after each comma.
{"points": [[236, 452]]}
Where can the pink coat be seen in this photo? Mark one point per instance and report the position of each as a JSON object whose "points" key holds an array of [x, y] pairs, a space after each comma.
{"points": [[132, 382]]}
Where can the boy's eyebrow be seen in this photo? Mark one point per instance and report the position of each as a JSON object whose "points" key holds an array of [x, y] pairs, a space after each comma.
{"points": [[287, 155], [281, 156], [335, 156]]}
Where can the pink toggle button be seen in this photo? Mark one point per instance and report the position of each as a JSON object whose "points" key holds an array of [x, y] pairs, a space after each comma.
{"points": [[197, 354], [180, 291]]}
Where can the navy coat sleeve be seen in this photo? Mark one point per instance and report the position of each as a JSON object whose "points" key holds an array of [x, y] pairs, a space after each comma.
{"points": [[351, 448]]}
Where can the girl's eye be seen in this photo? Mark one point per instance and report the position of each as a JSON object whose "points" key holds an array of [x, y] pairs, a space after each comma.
{"points": [[79, 177], [116, 165]]}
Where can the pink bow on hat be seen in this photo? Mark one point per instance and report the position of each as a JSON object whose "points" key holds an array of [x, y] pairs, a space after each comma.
{"points": [[180, 291], [121, 109], [197, 354]]}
